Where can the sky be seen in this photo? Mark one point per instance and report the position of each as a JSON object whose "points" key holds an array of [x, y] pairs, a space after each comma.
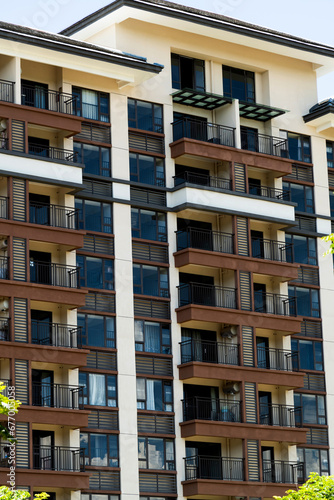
{"points": [[311, 19]]}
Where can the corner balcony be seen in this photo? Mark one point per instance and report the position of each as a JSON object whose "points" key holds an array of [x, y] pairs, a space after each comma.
{"points": [[53, 215], [58, 458], [199, 138], [55, 334], [45, 273], [217, 249], [51, 100], [207, 476]]}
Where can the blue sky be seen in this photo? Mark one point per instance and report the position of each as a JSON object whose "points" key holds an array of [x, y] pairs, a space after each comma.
{"points": [[306, 18]]}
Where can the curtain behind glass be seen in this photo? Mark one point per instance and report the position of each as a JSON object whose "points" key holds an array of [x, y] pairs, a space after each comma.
{"points": [[152, 337], [89, 104], [97, 390]]}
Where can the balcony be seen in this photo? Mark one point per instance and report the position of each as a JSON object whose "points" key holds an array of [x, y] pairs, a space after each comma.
{"points": [[4, 329], [272, 303], [38, 97], [277, 359], [279, 415], [271, 250], [265, 144], [55, 334], [268, 192], [204, 131], [58, 458], [3, 204], [57, 395], [54, 274], [6, 91], [209, 352], [49, 152], [6, 382], [202, 180], [4, 454], [212, 241], [277, 471], [218, 410], [54, 215], [207, 295], [4, 267], [217, 468]]}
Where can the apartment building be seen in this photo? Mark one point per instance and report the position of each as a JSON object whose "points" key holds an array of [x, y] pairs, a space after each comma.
{"points": [[166, 309]]}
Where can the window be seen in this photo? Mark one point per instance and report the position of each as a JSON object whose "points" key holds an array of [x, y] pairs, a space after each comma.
{"points": [[331, 202], [188, 73], [249, 138], [98, 389], [303, 251], [307, 301], [150, 280], [94, 215], [239, 84], [101, 450], [91, 104], [147, 169], [145, 116], [148, 225], [313, 409], [154, 395], [156, 453], [97, 330], [299, 146], [152, 337], [314, 460], [309, 354], [95, 158], [92, 496], [95, 272], [300, 194], [330, 154]]}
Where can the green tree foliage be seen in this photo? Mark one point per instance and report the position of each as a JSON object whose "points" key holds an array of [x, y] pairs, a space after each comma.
{"points": [[316, 488], [329, 238], [8, 494]]}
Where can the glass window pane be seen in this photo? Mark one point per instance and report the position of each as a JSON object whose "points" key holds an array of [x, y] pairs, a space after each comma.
{"points": [[112, 390], [309, 409], [97, 389], [306, 355], [156, 457], [318, 356], [152, 337]]}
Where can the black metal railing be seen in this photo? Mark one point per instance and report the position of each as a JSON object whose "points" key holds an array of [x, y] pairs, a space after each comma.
{"points": [[3, 206], [277, 359], [54, 215], [221, 468], [202, 180], [279, 415], [207, 295], [203, 239], [52, 100], [57, 395], [55, 334], [52, 153], [6, 91], [271, 303], [201, 130], [262, 143], [4, 268], [4, 329], [4, 143], [6, 382], [219, 410], [58, 458], [271, 250], [4, 454], [208, 351], [54, 274], [268, 192], [278, 471]]}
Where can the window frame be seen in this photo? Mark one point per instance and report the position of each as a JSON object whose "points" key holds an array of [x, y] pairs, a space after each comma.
{"points": [[246, 74], [77, 104], [304, 157], [168, 464], [310, 258], [110, 340], [162, 237], [322, 470], [108, 437], [83, 272], [161, 182], [288, 195], [167, 404], [310, 290], [176, 61], [163, 347], [139, 289], [103, 172], [298, 398], [82, 215], [297, 350], [86, 389], [155, 127], [330, 144]]}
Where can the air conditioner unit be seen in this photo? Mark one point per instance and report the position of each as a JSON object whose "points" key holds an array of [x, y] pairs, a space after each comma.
{"points": [[3, 125], [229, 331], [231, 388], [3, 244], [4, 305]]}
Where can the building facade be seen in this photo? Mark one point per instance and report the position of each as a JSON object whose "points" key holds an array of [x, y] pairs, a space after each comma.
{"points": [[166, 308]]}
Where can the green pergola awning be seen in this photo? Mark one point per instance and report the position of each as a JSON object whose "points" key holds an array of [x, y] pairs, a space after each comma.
{"points": [[198, 99], [259, 112]]}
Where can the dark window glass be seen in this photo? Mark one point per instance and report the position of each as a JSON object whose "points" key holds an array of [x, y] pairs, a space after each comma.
{"points": [[147, 169], [98, 389], [150, 280], [148, 225], [152, 337], [314, 460], [101, 450], [300, 194], [95, 272], [145, 116], [313, 409], [99, 496], [331, 202], [91, 104], [154, 395], [156, 453], [97, 330], [239, 84], [307, 301], [330, 154], [34, 94], [303, 251], [94, 215], [188, 73], [95, 158], [299, 146], [309, 354]]}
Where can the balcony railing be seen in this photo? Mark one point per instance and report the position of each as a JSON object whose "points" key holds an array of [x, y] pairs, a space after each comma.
{"points": [[279, 415], [201, 130], [4, 267], [6, 382], [3, 205], [269, 192], [213, 241], [271, 250], [54, 215], [277, 471], [202, 180], [4, 454], [4, 329], [54, 274], [52, 153], [218, 410], [58, 458], [209, 352], [4, 143], [207, 295], [266, 144], [221, 468], [6, 91], [52, 100], [55, 334], [270, 303], [57, 395], [277, 359]]}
